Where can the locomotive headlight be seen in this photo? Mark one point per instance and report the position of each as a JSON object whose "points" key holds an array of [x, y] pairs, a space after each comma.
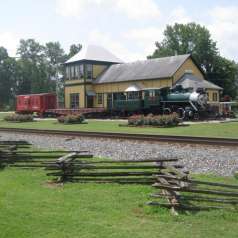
{"points": [[194, 97]]}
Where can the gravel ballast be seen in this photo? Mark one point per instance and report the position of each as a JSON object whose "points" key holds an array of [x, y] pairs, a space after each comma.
{"points": [[196, 158]]}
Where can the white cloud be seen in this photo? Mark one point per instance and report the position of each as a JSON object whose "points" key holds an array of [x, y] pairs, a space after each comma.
{"points": [[179, 15], [224, 29], [145, 38], [115, 46], [131, 8], [138, 9], [72, 8], [9, 41]]}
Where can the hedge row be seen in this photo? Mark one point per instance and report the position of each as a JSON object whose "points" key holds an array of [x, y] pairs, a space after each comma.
{"points": [[151, 120], [71, 119], [19, 118]]}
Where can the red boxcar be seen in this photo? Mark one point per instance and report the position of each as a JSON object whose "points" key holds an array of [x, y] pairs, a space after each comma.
{"points": [[38, 103]]}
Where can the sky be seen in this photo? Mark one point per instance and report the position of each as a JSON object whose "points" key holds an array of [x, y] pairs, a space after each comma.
{"points": [[128, 28]]}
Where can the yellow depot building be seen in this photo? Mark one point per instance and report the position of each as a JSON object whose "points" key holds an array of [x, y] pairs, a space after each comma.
{"points": [[94, 76]]}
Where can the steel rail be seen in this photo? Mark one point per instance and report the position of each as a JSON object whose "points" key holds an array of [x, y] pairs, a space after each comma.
{"points": [[124, 136]]}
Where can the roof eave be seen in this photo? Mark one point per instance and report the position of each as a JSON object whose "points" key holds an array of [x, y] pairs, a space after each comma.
{"points": [[91, 61], [132, 80]]}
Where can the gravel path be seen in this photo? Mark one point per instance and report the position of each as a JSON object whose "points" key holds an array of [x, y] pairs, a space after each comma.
{"points": [[196, 158]]}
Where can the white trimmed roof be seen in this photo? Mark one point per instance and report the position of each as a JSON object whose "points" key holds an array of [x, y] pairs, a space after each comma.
{"points": [[135, 87], [94, 53]]}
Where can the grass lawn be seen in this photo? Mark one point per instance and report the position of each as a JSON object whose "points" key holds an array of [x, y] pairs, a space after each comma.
{"points": [[229, 130], [3, 114], [29, 208]]}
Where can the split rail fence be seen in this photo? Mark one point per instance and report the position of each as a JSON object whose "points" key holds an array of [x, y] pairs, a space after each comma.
{"points": [[174, 187]]}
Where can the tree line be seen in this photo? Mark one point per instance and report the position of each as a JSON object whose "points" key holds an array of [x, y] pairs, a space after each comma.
{"points": [[36, 69], [39, 68]]}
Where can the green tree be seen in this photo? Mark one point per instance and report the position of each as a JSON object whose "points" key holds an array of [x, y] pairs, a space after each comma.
{"points": [[195, 39], [185, 39], [34, 75], [225, 74], [74, 49], [54, 53], [7, 79], [30, 50], [56, 56]]}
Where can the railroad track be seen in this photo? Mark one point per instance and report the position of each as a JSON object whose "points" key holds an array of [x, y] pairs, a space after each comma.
{"points": [[124, 136]]}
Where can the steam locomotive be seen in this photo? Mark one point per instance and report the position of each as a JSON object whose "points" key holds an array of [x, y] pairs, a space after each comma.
{"points": [[187, 104]]}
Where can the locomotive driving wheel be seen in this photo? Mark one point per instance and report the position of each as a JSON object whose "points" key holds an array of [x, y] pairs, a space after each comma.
{"points": [[181, 113]]}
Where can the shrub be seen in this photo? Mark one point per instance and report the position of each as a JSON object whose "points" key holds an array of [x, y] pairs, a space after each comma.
{"points": [[148, 119], [136, 120], [71, 119], [159, 120], [19, 117]]}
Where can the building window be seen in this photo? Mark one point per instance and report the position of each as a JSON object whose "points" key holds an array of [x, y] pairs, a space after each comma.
{"points": [[133, 95], [71, 72], [89, 71], [67, 73], [74, 100], [119, 96], [81, 73], [99, 98], [214, 97], [76, 70]]}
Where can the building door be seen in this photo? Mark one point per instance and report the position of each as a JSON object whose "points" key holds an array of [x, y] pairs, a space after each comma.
{"points": [[74, 100], [109, 101], [89, 101]]}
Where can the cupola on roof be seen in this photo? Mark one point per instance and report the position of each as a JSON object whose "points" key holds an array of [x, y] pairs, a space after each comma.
{"points": [[94, 53]]}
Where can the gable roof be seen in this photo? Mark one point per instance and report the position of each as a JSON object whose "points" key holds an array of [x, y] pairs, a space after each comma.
{"points": [[94, 53], [146, 69], [189, 80]]}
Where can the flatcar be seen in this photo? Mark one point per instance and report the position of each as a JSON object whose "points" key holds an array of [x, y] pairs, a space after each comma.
{"points": [[36, 103]]}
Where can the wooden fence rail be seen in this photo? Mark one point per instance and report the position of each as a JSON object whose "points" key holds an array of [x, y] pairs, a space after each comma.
{"points": [[182, 192], [74, 169]]}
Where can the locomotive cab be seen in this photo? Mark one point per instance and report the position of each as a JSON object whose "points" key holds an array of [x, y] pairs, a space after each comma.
{"points": [[151, 98]]}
